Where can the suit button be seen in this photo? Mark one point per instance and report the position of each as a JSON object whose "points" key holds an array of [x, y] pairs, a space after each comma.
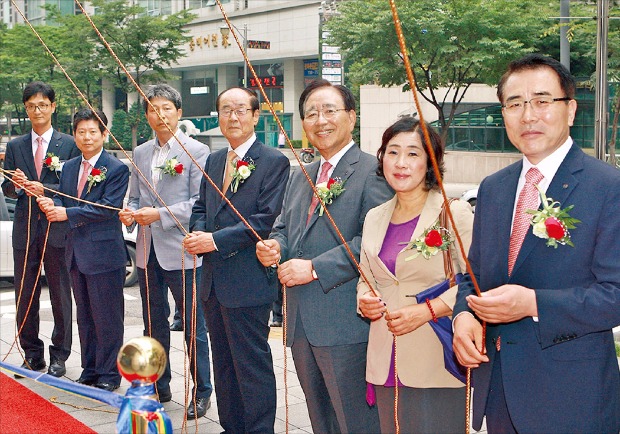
{"points": [[217, 227], [396, 282], [300, 254]]}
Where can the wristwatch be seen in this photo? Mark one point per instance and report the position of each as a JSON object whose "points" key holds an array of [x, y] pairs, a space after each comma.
{"points": [[314, 276]]}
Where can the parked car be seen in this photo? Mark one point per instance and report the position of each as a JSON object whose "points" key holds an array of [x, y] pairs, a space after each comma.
{"points": [[471, 196], [7, 210]]}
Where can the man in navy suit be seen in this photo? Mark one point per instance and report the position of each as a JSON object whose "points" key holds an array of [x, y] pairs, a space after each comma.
{"points": [[550, 364], [25, 155], [328, 338], [95, 252], [237, 290]]}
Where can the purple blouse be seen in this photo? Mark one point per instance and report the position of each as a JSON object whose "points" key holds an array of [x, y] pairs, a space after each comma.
{"points": [[393, 243]]}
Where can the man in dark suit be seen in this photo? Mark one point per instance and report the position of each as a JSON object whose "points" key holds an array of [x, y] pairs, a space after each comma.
{"points": [[327, 336], [25, 155], [95, 252], [550, 364], [237, 290], [164, 265]]}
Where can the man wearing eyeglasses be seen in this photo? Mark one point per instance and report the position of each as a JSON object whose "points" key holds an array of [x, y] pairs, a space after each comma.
{"points": [[237, 290], [328, 338], [550, 286], [26, 156]]}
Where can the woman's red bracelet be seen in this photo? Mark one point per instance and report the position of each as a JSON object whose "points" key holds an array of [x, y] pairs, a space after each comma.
{"points": [[428, 303]]}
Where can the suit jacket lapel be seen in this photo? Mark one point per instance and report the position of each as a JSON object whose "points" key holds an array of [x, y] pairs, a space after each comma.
{"points": [[559, 190], [101, 162]]}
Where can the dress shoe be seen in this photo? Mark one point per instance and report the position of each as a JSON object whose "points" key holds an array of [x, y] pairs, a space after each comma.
{"points": [[57, 368], [176, 326], [202, 405], [32, 364], [85, 381], [106, 386], [165, 395]]}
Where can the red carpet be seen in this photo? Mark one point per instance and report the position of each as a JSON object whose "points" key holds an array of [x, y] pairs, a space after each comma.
{"points": [[23, 412]]}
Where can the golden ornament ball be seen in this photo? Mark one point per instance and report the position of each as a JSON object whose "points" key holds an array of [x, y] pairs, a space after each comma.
{"points": [[142, 359]]}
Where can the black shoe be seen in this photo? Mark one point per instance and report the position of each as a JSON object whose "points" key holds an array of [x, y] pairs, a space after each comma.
{"points": [[106, 386], [86, 381], [32, 364], [57, 368], [176, 326], [202, 405], [165, 395]]}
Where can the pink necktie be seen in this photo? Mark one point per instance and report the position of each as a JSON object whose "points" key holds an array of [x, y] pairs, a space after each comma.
{"points": [[322, 178], [528, 199], [39, 156], [83, 178]]}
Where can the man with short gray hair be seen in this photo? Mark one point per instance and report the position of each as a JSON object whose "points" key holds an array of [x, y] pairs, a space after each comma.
{"points": [[170, 172]]}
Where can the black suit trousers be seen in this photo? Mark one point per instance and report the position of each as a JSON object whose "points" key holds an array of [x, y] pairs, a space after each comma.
{"points": [[58, 281]]}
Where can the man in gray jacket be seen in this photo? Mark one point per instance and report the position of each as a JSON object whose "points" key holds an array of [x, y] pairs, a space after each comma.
{"points": [[327, 337], [176, 179]]}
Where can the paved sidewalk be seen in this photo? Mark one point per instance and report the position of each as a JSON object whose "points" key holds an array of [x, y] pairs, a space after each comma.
{"points": [[102, 418]]}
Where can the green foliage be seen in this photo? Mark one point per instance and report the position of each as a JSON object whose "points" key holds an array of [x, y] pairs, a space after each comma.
{"points": [[296, 143], [617, 349], [123, 123], [450, 43]]}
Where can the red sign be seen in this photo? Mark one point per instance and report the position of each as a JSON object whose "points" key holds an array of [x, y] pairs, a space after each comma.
{"points": [[269, 81]]}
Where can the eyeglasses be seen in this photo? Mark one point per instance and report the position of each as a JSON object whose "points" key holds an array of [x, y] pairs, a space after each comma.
{"points": [[313, 115], [227, 112], [42, 108], [540, 104]]}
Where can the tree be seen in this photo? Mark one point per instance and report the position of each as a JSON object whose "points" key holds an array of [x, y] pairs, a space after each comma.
{"points": [[123, 124], [451, 43]]}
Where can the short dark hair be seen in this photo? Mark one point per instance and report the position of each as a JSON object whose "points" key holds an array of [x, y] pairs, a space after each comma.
{"points": [[538, 61], [412, 125], [163, 91], [86, 114], [37, 87], [253, 98], [345, 92]]}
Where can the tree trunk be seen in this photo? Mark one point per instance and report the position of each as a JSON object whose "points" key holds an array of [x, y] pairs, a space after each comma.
{"points": [[134, 137], [614, 133]]}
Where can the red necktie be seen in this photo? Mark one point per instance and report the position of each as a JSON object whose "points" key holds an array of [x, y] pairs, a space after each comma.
{"points": [[323, 178], [83, 178], [39, 156], [528, 199]]}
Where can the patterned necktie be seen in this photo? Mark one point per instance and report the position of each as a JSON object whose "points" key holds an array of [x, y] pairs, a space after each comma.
{"points": [[83, 178], [232, 155], [528, 199], [322, 178], [39, 156]]}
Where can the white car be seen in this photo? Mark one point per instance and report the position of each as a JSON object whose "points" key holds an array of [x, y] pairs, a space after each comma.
{"points": [[7, 207], [471, 196]]}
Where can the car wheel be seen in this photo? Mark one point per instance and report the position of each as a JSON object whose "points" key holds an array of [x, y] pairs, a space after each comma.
{"points": [[307, 157], [131, 273], [472, 202]]}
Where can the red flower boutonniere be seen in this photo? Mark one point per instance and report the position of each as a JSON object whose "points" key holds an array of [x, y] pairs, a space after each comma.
{"points": [[328, 191], [52, 162], [171, 167], [434, 240], [97, 174], [552, 223], [242, 169]]}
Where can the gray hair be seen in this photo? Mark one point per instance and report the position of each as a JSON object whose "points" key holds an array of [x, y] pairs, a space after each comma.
{"points": [[163, 91]]}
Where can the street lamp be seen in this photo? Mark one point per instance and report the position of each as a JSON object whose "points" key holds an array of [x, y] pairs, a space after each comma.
{"points": [[225, 31]]}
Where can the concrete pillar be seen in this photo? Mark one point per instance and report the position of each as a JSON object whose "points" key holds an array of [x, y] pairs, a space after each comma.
{"points": [[293, 87]]}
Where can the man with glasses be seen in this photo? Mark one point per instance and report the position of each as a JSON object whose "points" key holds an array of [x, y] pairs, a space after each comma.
{"points": [[550, 279], [28, 156], [327, 337], [237, 290]]}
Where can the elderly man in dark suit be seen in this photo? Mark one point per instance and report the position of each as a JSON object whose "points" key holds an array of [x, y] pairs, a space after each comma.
{"points": [[237, 290], [28, 157], [327, 336], [550, 364], [95, 253]]}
